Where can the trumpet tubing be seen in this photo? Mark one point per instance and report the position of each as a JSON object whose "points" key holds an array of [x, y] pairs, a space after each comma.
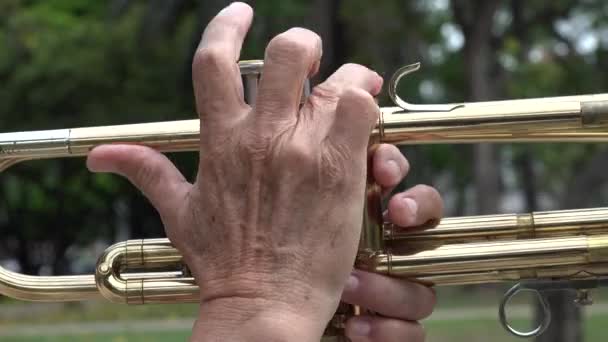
{"points": [[542, 224], [153, 271], [566, 248], [560, 119]]}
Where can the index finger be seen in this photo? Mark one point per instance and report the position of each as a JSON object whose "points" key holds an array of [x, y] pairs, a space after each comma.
{"points": [[217, 83]]}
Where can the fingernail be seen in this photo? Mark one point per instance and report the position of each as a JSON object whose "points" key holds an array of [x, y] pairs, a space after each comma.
{"points": [[351, 283], [95, 167], [379, 82], [393, 167], [411, 205], [314, 69], [98, 167], [361, 327], [97, 164]]}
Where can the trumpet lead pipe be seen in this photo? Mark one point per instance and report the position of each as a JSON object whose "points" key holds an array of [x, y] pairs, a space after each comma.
{"points": [[565, 119]]}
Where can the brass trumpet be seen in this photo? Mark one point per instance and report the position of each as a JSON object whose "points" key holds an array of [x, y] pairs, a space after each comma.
{"points": [[542, 251]]}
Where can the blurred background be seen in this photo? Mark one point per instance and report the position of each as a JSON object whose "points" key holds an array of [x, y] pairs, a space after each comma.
{"points": [[69, 63]]}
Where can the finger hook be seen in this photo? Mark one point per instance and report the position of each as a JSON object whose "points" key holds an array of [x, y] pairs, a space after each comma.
{"points": [[408, 107], [546, 315]]}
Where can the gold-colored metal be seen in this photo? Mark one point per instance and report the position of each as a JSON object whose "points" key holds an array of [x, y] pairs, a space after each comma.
{"points": [[554, 249], [542, 224], [560, 119]]}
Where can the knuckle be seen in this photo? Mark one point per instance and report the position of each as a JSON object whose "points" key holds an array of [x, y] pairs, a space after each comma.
{"points": [[361, 71], [146, 174], [354, 68], [324, 91], [333, 165], [208, 59], [254, 146], [292, 45], [298, 155], [359, 105], [358, 97]]}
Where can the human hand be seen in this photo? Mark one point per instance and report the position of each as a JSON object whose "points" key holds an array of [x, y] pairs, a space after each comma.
{"points": [[271, 225], [398, 303]]}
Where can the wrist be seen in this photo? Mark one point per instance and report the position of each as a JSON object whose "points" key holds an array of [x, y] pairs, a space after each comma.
{"points": [[255, 319]]}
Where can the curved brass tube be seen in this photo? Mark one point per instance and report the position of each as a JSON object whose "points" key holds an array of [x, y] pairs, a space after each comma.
{"points": [[153, 283]]}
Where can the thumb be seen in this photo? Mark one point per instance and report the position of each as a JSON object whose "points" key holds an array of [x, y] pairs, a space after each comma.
{"points": [[149, 170]]}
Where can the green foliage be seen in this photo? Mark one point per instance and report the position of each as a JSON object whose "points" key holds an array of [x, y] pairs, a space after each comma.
{"points": [[66, 64]]}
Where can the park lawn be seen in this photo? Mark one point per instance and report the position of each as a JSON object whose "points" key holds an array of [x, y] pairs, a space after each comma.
{"points": [[453, 330], [94, 311], [437, 331], [490, 329], [143, 337]]}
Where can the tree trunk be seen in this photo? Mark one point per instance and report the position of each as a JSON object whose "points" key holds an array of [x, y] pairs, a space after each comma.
{"points": [[566, 315], [476, 19], [327, 24], [206, 10], [24, 257], [565, 319]]}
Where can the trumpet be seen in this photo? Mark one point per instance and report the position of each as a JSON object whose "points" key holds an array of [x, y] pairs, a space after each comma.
{"points": [[541, 251]]}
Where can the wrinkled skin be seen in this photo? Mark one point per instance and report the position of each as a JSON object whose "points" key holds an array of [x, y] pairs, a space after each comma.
{"points": [[270, 227]]}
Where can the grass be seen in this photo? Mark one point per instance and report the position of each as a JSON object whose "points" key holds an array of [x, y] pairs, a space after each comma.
{"points": [[437, 331], [454, 330], [94, 311], [489, 329], [151, 337]]}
